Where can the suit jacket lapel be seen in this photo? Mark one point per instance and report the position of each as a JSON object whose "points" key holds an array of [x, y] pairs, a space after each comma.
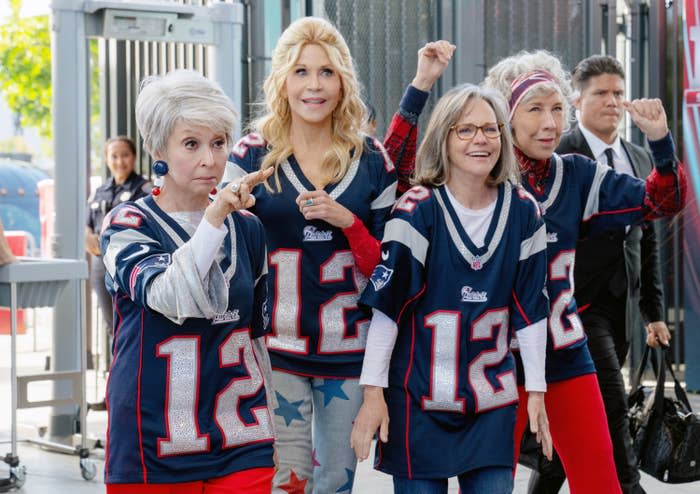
{"points": [[632, 157], [580, 144]]}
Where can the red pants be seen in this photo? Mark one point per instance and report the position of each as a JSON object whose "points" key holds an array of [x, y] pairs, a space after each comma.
{"points": [[253, 481], [580, 434]]}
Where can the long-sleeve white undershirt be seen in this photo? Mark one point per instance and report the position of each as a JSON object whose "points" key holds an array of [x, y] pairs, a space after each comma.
{"points": [[383, 331]]}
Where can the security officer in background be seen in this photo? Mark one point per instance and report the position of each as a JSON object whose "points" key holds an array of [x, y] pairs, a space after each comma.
{"points": [[124, 185]]}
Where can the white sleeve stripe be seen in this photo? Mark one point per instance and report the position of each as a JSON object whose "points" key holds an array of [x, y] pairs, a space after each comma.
{"points": [[386, 198], [118, 242], [388, 164], [403, 232], [532, 245], [593, 201]]}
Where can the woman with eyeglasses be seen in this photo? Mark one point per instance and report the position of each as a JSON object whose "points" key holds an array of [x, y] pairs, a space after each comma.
{"points": [[577, 198], [462, 270]]}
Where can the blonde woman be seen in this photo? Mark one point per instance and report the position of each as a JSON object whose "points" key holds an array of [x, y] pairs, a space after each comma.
{"points": [[324, 210]]}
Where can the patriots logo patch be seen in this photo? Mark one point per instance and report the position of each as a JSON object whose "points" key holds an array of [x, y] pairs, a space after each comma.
{"points": [[155, 261], [381, 276]]}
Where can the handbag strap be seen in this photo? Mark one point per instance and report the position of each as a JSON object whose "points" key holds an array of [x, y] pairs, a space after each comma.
{"points": [[660, 385], [637, 378], [680, 392]]}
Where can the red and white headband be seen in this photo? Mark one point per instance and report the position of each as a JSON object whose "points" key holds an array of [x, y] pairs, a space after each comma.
{"points": [[522, 85]]}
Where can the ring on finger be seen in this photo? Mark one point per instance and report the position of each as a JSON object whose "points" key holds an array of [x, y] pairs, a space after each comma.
{"points": [[309, 202], [235, 187]]}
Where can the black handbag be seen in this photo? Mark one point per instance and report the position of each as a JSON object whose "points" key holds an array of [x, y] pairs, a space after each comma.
{"points": [[665, 431], [531, 456]]}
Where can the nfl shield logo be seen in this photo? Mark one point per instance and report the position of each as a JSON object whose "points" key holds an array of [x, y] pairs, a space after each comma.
{"points": [[476, 264], [381, 276]]}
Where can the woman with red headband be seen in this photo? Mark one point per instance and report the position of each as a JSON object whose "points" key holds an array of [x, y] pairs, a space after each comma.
{"points": [[578, 197]]}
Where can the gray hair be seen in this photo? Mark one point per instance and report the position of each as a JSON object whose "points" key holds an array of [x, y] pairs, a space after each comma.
{"points": [[501, 75], [432, 158], [181, 96]]}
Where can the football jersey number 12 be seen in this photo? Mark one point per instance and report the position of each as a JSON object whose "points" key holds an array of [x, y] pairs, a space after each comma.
{"points": [[183, 435], [286, 312]]}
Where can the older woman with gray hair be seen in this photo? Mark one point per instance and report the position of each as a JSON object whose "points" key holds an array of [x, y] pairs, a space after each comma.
{"points": [[578, 197], [463, 271], [186, 267]]}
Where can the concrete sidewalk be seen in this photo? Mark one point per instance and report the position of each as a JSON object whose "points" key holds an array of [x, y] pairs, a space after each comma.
{"points": [[55, 473]]}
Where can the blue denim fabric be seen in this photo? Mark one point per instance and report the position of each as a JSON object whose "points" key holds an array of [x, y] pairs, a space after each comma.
{"points": [[488, 480]]}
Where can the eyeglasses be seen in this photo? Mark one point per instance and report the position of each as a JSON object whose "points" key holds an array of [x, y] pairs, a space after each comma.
{"points": [[467, 132]]}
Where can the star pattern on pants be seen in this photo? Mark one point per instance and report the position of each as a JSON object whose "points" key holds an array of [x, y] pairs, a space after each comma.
{"points": [[288, 410], [314, 461], [331, 388], [296, 485], [347, 486]]}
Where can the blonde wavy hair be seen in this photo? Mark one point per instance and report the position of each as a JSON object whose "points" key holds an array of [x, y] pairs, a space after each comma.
{"points": [[275, 117], [432, 158]]}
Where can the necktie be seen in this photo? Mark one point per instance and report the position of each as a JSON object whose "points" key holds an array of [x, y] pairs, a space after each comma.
{"points": [[609, 157]]}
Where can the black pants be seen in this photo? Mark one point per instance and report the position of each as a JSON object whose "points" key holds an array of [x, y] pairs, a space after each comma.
{"points": [[608, 346]]}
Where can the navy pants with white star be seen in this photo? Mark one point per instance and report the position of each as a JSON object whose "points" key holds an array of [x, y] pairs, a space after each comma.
{"points": [[313, 422]]}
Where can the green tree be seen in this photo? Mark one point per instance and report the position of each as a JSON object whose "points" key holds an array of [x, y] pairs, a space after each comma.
{"points": [[25, 68]]}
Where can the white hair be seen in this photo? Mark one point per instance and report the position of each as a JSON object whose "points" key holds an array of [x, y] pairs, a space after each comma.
{"points": [[181, 96], [501, 76]]}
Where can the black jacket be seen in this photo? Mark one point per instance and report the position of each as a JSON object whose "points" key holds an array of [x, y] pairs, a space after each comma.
{"points": [[619, 269]]}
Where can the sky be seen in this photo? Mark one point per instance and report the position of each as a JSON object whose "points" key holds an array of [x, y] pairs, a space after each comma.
{"points": [[29, 7]]}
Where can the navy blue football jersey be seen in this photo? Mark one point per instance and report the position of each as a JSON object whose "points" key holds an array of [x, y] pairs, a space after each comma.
{"points": [[452, 386], [186, 401], [317, 328], [580, 198]]}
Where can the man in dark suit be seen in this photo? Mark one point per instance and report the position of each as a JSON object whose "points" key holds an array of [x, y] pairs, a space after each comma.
{"points": [[617, 276]]}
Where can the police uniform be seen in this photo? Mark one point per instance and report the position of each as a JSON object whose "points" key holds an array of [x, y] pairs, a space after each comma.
{"points": [[108, 196]]}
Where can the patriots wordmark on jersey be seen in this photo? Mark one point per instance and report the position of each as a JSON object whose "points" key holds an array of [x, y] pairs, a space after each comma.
{"points": [[314, 284], [452, 383]]}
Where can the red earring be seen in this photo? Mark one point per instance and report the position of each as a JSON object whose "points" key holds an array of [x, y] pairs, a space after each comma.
{"points": [[160, 168], [213, 191]]}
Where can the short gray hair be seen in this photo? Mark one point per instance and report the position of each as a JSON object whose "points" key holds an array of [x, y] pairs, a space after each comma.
{"points": [[501, 76], [181, 96], [432, 158]]}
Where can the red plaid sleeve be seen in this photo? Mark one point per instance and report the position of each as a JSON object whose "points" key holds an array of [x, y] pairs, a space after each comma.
{"points": [[665, 193], [400, 143]]}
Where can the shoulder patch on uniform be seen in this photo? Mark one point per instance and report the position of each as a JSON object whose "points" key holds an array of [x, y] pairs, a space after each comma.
{"points": [[381, 276], [252, 140], [414, 195], [128, 216]]}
